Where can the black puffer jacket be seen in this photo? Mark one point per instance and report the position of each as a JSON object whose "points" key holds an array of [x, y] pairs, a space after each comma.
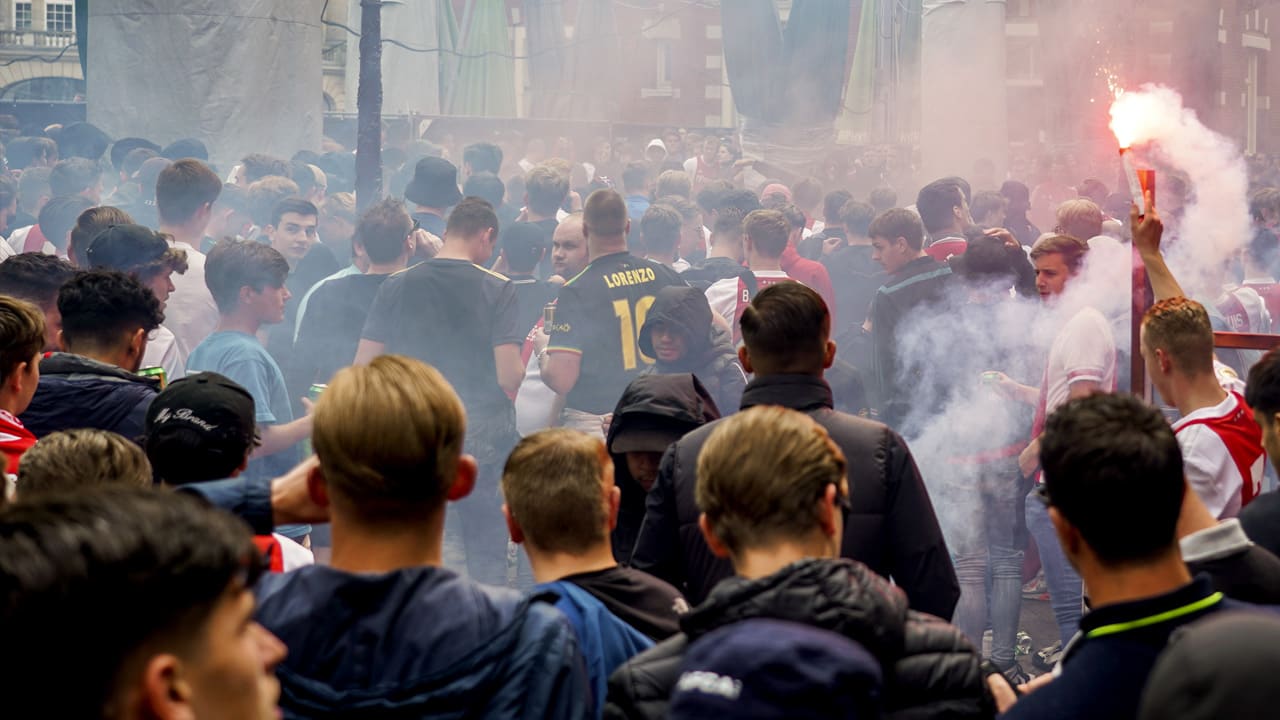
{"points": [[892, 528], [930, 669], [709, 352], [678, 403]]}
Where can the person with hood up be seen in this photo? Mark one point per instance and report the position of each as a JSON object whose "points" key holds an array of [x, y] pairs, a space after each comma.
{"points": [[653, 412], [679, 335]]}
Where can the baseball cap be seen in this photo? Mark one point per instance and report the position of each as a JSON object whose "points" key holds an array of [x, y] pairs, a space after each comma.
{"points": [[121, 247], [775, 669], [207, 407]]}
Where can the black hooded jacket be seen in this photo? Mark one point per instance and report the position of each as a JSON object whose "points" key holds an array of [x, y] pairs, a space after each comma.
{"points": [[709, 354], [892, 527], [679, 403], [930, 669]]}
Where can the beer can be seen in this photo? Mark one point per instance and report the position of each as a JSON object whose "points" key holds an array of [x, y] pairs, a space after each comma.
{"points": [[313, 394], [548, 316], [154, 372], [315, 391]]}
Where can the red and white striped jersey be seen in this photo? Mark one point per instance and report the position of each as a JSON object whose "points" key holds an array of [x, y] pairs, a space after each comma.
{"points": [[730, 297], [1222, 455]]}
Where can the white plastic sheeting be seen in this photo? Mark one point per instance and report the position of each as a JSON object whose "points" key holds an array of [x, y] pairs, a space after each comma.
{"points": [[964, 107], [241, 75], [410, 80]]}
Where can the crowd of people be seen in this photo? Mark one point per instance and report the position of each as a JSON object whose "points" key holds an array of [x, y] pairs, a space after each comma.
{"points": [[673, 435]]}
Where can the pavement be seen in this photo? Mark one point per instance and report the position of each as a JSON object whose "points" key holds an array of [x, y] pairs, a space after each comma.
{"points": [[1036, 619]]}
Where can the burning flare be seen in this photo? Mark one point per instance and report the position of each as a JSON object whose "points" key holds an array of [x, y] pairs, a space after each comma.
{"points": [[1128, 113]]}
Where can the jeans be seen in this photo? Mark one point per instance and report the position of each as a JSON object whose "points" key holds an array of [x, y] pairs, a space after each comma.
{"points": [[995, 549], [480, 523], [1066, 592]]}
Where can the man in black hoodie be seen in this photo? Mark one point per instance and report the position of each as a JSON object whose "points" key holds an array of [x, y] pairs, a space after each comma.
{"points": [[893, 529], [653, 412], [106, 318], [679, 336], [774, 498]]}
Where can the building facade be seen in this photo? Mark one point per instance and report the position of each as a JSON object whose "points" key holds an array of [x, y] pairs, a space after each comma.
{"points": [[38, 60]]}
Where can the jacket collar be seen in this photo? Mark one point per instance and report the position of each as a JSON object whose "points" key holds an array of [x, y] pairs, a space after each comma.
{"points": [[61, 363], [797, 392], [842, 596], [1198, 589]]}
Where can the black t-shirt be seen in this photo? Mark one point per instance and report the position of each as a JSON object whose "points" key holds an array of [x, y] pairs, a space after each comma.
{"points": [[532, 295], [315, 266], [639, 599], [598, 316], [330, 330], [450, 314]]}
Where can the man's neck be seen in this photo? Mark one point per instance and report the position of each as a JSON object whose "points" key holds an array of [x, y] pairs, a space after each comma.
{"points": [[184, 234], [114, 358], [239, 321], [717, 251], [1195, 515], [10, 403], [531, 216], [1112, 585], [763, 264], [396, 546], [667, 260], [455, 250], [432, 210], [755, 563], [1197, 393], [551, 566], [394, 266], [858, 240], [599, 247]]}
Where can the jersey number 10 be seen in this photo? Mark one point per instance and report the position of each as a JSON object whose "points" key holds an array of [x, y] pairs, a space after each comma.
{"points": [[629, 329]]}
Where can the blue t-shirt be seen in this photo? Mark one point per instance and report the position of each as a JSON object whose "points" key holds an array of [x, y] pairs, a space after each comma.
{"points": [[242, 358]]}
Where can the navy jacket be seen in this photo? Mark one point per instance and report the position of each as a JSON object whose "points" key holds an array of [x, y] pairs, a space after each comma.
{"points": [[77, 392], [419, 643], [1105, 666]]}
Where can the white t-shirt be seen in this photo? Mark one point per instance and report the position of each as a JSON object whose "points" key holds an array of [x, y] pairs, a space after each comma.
{"points": [[1222, 455], [190, 312], [725, 296], [534, 400], [1084, 350], [164, 350]]}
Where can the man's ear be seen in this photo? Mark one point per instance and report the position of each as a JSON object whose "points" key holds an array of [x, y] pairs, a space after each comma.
{"points": [[615, 502], [316, 487], [465, 481], [1164, 360], [138, 343], [830, 358], [18, 378], [513, 527], [164, 691], [744, 357], [827, 511], [717, 548]]}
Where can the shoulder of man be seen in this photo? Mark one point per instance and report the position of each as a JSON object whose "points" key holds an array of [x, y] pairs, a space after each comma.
{"points": [[641, 687], [939, 664]]}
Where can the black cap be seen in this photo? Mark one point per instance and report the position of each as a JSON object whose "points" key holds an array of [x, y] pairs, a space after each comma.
{"points": [[434, 184], [208, 405], [123, 247]]}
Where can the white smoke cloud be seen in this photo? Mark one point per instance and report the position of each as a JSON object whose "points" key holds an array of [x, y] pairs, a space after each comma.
{"points": [[1216, 220]]}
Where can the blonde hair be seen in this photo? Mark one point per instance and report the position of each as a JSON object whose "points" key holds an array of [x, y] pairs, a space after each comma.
{"points": [[72, 460], [552, 486], [1080, 218], [389, 436], [761, 474], [341, 204]]}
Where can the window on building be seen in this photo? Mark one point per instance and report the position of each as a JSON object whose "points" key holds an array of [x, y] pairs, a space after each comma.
{"points": [[44, 89], [663, 79], [22, 16], [1021, 9], [60, 16]]}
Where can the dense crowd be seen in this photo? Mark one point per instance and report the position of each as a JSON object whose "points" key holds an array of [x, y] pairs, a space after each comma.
{"points": [[622, 434]]}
